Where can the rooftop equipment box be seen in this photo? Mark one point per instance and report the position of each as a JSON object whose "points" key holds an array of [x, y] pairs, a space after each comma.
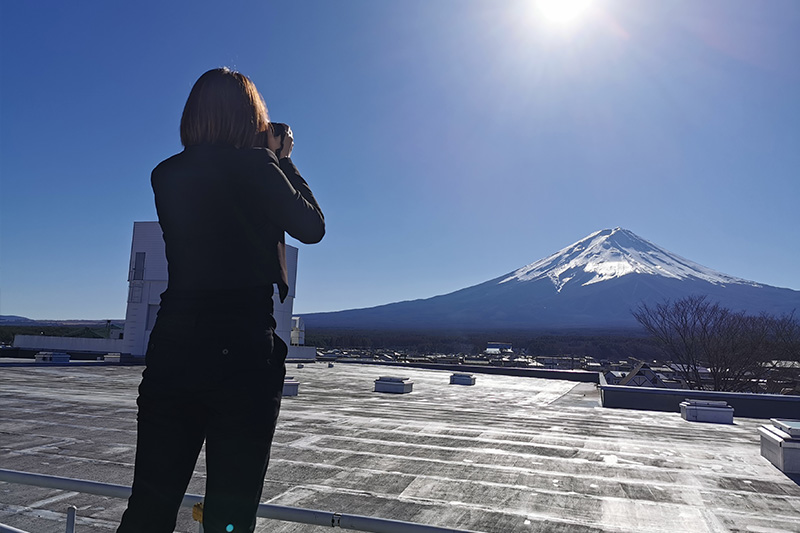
{"points": [[462, 379], [780, 443], [291, 386], [718, 412], [396, 385]]}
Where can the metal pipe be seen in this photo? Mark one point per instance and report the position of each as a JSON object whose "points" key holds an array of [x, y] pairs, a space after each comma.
{"points": [[8, 529], [265, 510], [65, 483], [382, 525], [79, 485]]}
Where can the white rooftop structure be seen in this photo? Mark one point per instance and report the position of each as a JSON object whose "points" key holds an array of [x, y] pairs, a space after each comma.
{"points": [[147, 279]]}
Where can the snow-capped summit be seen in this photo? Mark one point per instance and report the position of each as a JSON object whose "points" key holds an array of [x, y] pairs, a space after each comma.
{"points": [[613, 253]]}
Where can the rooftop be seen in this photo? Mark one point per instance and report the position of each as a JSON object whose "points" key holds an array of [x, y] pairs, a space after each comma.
{"points": [[505, 455]]}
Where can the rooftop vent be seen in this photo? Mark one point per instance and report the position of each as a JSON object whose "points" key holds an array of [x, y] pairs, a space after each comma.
{"points": [[462, 379], [395, 385], [718, 412], [291, 387]]}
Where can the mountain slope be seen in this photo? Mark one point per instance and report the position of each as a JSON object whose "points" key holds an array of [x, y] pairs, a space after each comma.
{"points": [[593, 283]]}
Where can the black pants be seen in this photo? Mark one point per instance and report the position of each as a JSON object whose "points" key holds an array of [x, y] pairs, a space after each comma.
{"points": [[216, 377]]}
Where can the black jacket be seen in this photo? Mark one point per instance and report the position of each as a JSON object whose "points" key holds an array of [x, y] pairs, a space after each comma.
{"points": [[223, 212]]}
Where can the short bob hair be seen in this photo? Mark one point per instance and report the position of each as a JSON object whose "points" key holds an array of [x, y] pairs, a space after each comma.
{"points": [[224, 107]]}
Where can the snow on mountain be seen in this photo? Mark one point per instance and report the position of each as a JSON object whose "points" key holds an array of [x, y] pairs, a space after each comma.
{"points": [[613, 253]]}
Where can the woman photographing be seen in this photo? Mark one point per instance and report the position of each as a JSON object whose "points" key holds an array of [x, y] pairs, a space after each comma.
{"points": [[215, 367]]}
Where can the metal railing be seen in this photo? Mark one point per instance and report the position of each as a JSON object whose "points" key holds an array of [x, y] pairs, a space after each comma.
{"points": [[265, 510], [8, 529]]}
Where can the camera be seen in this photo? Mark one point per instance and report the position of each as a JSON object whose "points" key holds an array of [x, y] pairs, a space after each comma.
{"points": [[279, 131]]}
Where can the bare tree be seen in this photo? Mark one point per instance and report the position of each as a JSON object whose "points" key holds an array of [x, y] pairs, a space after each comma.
{"points": [[785, 348], [678, 327], [735, 349], [740, 351], [786, 336]]}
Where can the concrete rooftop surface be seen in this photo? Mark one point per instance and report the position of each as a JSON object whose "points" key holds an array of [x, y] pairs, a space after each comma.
{"points": [[505, 455]]}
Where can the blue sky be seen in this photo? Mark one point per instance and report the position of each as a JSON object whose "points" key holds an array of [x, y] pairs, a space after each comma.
{"points": [[448, 141]]}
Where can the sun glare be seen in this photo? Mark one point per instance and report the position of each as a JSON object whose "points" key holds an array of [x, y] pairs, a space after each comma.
{"points": [[563, 12]]}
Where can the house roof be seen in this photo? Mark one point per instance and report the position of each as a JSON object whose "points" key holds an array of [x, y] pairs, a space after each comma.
{"points": [[633, 373]]}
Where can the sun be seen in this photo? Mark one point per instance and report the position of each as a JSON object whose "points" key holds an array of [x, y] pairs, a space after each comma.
{"points": [[563, 12]]}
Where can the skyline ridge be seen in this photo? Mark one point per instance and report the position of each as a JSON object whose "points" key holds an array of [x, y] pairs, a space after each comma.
{"points": [[601, 256]]}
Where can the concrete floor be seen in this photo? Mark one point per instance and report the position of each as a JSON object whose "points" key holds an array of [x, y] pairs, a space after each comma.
{"points": [[507, 454]]}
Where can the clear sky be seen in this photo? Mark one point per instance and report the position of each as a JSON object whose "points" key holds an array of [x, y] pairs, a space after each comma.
{"points": [[447, 141]]}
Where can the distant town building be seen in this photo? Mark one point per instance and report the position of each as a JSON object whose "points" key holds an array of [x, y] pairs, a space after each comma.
{"points": [[564, 362], [613, 377], [641, 376], [498, 348]]}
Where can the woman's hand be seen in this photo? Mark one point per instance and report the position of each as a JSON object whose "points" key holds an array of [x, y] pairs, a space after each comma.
{"points": [[288, 144], [282, 146]]}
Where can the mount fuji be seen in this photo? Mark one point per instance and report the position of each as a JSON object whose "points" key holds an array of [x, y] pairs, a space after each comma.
{"points": [[593, 283]]}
